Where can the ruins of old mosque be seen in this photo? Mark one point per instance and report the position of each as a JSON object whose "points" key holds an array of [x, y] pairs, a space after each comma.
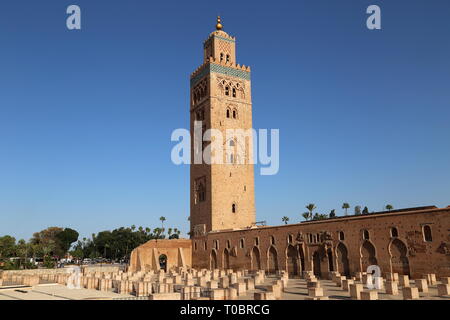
{"points": [[230, 256]]}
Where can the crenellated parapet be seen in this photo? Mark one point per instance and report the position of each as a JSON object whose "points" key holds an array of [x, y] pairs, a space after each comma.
{"points": [[219, 34], [223, 67]]}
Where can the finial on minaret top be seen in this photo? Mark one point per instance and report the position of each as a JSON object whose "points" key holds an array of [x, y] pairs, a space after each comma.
{"points": [[218, 25]]}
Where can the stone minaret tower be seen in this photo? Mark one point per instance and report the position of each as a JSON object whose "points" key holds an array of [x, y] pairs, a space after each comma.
{"points": [[222, 195]]}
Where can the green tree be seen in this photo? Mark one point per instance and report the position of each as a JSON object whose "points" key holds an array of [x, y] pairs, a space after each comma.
{"points": [[320, 216], [176, 234], [285, 219], [389, 207], [47, 248], [49, 262], [310, 207], [345, 206], [305, 215], [47, 242], [77, 252], [7, 247], [357, 210], [157, 233], [365, 210], [66, 238], [22, 249], [332, 213], [162, 222]]}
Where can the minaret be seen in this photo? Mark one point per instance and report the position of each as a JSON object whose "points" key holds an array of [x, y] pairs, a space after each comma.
{"points": [[222, 195]]}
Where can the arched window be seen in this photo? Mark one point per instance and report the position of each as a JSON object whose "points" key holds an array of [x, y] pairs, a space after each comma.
{"points": [[310, 238], [231, 143], [272, 240], [227, 90], [234, 93], [195, 245], [394, 232], [228, 244], [228, 58], [200, 115], [233, 208], [231, 158], [241, 243], [221, 57], [234, 114], [201, 193], [341, 235], [366, 235], [228, 113], [163, 261], [290, 238], [427, 236], [205, 245], [256, 241]]}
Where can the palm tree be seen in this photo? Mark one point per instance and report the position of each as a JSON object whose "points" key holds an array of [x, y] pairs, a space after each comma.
{"points": [[22, 251], [162, 221], [345, 206], [305, 215], [157, 233], [389, 207], [310, 208], [285, 219], [320, 216], [175, 234]]}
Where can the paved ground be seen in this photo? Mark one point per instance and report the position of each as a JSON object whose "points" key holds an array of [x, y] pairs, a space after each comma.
{"points": [[296, 290], [56, 292]]}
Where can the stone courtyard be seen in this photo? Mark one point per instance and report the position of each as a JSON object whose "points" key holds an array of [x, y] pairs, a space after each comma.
{"points": [[219, 284]]}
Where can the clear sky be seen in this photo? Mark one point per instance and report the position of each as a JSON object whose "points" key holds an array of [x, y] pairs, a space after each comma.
{"points": [[86, 116]]}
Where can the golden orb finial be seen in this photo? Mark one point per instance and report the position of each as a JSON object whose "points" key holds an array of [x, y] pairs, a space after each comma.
{"points": [[218, 25]]}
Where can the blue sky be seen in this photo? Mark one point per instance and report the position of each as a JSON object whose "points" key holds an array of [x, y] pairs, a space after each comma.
{"points": [[86, 116]]}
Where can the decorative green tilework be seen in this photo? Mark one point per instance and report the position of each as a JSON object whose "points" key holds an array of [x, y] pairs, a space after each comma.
{"points": [[222, 38], [222, 70]]}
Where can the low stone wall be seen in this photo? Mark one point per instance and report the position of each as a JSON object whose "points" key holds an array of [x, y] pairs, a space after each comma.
{"points": [[91, 269], [8, 273], [33, 277]]}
